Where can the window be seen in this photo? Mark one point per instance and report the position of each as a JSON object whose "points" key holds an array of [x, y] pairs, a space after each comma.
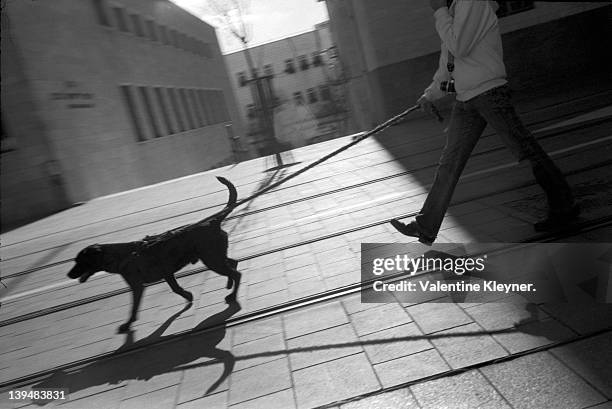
{"points": [[289, 67], [507, 8], [205, 107], [100, 7], [298, 98], [268, 70], [242, 79], [195, 106], [325, 92], [165, 109], [121, 19], [187, 108], [303, 60], [137, 24], [148, 104], [317, 60], [163, 35], [174, 100], [312, 96], [130, 103], [152, 30]]}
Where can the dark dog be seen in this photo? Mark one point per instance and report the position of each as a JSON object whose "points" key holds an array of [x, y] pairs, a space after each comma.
{"points": [[159, 257]]}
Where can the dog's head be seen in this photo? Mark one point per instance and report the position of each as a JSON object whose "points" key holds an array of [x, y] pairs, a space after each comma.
{"points": [[88, 262]]}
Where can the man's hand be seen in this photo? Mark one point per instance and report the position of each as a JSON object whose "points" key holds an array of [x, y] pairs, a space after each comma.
{"points": [[429, 107], [426, 105], [436, 4]]}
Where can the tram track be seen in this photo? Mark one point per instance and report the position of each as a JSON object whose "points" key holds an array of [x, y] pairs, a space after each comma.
{"points": [[296, 304]]}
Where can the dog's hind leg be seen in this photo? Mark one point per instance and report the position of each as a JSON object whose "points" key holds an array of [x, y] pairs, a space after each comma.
{"points": [[137, 291], [233, 264], [171, 280]]}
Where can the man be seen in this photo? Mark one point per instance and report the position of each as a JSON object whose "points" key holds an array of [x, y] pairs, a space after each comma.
{"points": [[471, 59]]}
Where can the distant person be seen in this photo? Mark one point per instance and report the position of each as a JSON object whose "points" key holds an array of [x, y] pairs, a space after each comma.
{"points": [[471, 61]]}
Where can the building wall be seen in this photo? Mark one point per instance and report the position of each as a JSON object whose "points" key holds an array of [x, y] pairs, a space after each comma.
{"points": [[295, 124], [399, 48], [75, 64]]}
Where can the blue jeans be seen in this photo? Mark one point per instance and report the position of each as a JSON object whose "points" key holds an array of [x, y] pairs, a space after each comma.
{"points": [[468, 121]]}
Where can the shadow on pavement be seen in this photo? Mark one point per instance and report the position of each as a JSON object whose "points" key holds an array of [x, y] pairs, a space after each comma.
{"points": [[154, 360]]}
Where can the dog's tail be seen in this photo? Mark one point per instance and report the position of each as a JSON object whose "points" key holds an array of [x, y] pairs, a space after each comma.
{"points": [[231, 201]]}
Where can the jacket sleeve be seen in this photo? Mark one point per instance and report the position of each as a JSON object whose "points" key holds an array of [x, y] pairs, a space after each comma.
{"points": [[433, 92], [472, 20]]}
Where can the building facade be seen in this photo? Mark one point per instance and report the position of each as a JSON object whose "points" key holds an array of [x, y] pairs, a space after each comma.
{"points": [[301, 79], [389, 49], [100, 96]]}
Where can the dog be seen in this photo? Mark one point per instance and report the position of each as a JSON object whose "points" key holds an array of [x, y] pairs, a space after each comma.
{"points": [[159, 257]]}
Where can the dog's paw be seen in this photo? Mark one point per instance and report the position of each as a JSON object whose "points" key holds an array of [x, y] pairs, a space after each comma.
{"points": [[230, 299], [124, 328]]}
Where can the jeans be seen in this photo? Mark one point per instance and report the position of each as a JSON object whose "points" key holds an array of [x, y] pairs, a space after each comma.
{"points": [[468, 121]]}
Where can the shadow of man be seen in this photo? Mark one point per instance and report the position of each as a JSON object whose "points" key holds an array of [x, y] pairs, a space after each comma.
{"points": [[154, 355]]}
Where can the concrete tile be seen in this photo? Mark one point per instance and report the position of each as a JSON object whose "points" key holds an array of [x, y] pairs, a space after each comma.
{"points": [[202, 379], [583, 319], [109, 399], [394, 343], [377, 319], [159, 399], [541, 381], [342, 280], [305, 288], [353, 304], [314, 319], [467, 345], [302, 273], [464, 391], [278, 400], [401, 398], [507, 314], [259, 351], [301, 260], [335, 380], [438, 316], [323, 346], [256, 330], [592, 359], [266, 301], [410, 368], [216, 401], [266, 287], [533, 335], [333, 268], [260, 380]]}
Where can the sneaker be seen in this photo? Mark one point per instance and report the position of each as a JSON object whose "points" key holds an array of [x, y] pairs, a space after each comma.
{"points": [[411, 229], [557, 220]]}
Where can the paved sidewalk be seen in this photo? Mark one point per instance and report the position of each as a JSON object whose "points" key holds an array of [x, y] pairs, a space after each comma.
{"points": [[339, 353]]}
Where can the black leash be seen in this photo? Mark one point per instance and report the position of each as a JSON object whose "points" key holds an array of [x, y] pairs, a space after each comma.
{"points": [[355, 141]]}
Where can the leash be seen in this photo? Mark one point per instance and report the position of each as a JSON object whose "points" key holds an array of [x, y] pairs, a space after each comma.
{"points": [[397, 118]]}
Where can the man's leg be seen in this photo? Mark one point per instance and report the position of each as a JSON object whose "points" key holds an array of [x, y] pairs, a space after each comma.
{"points": [[466, 126], [496, 107]]}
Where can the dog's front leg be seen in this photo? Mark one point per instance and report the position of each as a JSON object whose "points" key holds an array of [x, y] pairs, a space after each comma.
{"points": [[137, 291], [171, 280]]}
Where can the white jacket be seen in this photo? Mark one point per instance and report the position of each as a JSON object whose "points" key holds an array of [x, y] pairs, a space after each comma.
{"points": [[470, 31]]}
